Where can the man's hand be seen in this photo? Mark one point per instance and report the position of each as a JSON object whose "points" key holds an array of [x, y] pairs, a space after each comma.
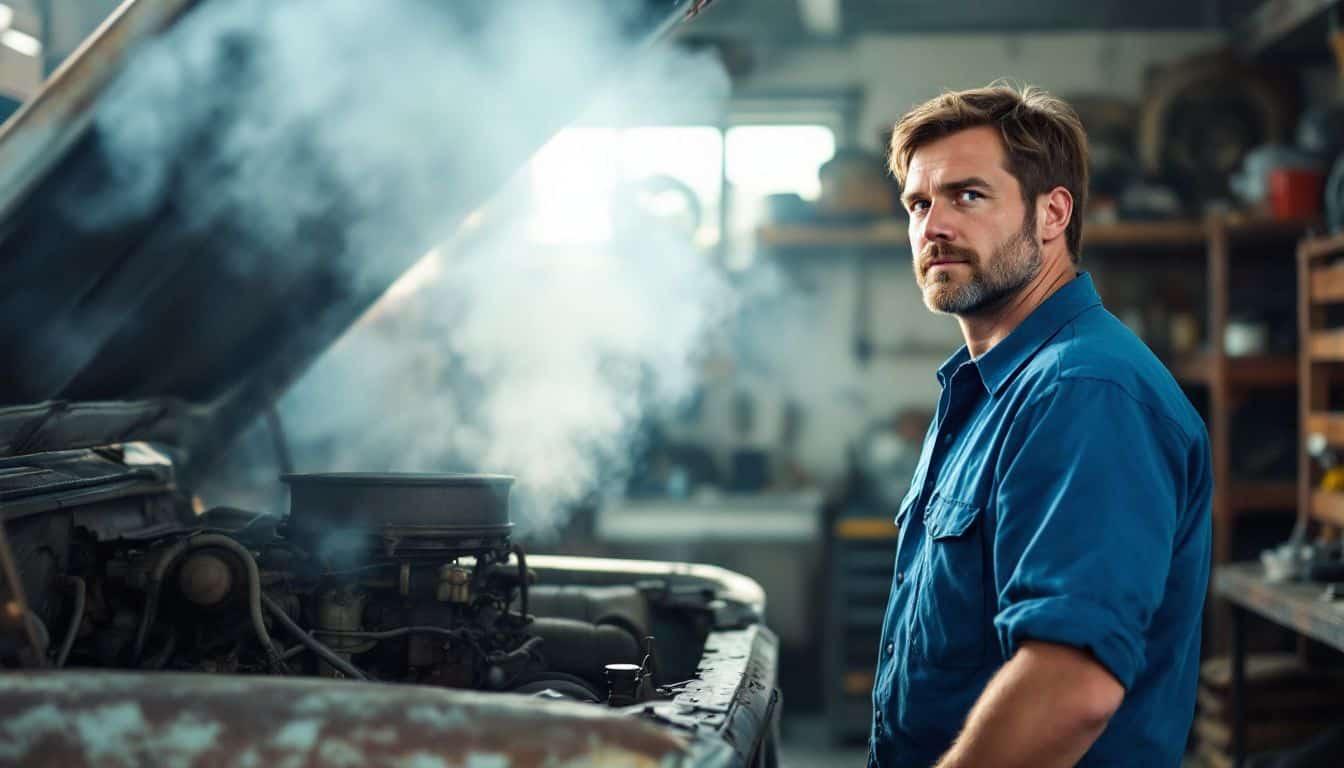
{"points": [[1045, 708]]}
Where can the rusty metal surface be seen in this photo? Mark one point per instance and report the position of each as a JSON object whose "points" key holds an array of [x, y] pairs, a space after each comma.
{"points": [[722, 719], [753, 708], [733, 695], [34, 138], [88, 718]]}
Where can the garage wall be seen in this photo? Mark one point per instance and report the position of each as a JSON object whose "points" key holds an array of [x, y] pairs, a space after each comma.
{"points": [[20, 75], [839, 395], [72, 21], [898, 71]]}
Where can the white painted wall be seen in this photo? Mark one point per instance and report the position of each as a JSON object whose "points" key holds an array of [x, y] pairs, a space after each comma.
{"points": [[899, 71], [20, 75], [74, 20]]}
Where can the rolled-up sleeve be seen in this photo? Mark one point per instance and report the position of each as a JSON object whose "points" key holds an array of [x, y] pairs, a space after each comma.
{"points": [[1087, 497]]}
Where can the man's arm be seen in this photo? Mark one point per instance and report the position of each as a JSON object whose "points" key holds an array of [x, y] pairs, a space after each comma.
{"points": [[1043, 708]]}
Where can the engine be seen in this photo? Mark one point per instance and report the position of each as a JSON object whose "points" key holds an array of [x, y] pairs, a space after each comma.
{"points": [[407, 578]]}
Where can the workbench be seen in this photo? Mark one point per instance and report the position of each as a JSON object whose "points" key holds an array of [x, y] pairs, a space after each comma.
{"points": [[1295, 605]]}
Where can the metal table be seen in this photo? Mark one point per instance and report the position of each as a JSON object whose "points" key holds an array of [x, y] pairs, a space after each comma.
{"points": [[1295, 605]]}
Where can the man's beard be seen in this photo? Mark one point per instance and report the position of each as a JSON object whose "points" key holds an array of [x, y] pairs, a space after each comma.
{"points": [[1014, 263]]}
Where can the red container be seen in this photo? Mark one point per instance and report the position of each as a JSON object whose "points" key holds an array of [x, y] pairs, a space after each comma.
{"points": [[1295, 193]]}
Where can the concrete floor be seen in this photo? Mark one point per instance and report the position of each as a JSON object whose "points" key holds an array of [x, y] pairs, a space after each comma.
{"points": [[806, 743]]}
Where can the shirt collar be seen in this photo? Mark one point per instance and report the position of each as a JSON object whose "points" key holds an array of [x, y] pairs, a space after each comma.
{"points": [[998, 365], [951, 364]]}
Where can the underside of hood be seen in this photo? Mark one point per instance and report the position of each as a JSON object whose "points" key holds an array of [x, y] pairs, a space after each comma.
{"points": [[207, 194]]}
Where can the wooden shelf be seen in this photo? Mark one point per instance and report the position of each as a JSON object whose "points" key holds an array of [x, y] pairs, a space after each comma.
{"points": [[1320, 247], [1319, 284], [893, 232], [1327, 424], [1190, 233], [1261, 497], [1258, 371], [1326, 345], [1327, 284], [1262, 371], [885, 233], [1243, 226], [1192, 370], [1328, 507], [1144, 233]]}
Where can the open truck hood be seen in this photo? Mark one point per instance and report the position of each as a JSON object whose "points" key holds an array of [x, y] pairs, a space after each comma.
{"points": [[140, 325]]}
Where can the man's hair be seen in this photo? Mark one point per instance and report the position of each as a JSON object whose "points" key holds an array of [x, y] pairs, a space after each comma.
{"points": [[1042, 136]]}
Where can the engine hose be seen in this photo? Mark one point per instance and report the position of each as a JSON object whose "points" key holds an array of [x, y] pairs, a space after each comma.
{"points": [[312, 643], [152, 592], [254, 595], [522, 579], [571, 685], [623, 622], [517, 654], [389, 634], [76, 617], [295, 651]]}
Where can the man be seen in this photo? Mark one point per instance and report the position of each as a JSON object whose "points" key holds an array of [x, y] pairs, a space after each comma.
{"points": [[1054, 546]]}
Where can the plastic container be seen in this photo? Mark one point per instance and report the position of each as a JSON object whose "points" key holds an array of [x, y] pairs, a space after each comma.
{"points": [[1295, 193]]}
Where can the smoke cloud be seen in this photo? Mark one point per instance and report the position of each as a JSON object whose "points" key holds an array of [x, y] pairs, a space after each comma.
{"points": [[496, 354]]}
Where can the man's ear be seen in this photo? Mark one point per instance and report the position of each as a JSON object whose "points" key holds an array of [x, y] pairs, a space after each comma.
{"points": [[1053, 213]]}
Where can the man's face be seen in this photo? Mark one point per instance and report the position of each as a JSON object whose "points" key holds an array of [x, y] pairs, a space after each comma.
{"points": [[973, 240]]}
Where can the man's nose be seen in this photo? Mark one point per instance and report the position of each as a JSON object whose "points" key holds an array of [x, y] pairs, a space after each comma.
{"points": [[938, 225]]}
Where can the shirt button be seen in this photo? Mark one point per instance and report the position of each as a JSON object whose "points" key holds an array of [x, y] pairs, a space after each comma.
{"points": [[900, 578], [877, 715], [947, 439], [891, 649]]}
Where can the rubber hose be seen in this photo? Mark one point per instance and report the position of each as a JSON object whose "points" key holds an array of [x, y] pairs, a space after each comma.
{"points": [[76, 617], [313, 644]]}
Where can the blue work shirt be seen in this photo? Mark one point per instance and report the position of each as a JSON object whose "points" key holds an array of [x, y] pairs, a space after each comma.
{"points": [[1063, 495]]}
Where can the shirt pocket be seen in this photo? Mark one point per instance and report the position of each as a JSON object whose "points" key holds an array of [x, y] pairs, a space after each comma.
{"points": [[950, 614]]}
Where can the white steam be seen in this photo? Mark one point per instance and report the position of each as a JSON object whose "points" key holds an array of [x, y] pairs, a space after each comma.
{"points": [[507, 357]]}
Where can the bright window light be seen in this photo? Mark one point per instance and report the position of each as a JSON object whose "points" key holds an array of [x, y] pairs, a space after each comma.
{"points": [[23, 43], [764, 159], [691, 155], [576, 175], [6, 16], [572, 179]]}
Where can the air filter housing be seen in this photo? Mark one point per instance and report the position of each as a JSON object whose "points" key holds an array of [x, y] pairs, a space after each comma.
{"points": [[351, 517]]}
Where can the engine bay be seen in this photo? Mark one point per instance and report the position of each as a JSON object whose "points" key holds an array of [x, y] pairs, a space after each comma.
{"points": [[377, 577]]}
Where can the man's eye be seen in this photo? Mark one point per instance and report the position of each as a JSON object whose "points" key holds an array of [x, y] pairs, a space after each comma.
{"points": [[918, 206], [969, 196]]}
